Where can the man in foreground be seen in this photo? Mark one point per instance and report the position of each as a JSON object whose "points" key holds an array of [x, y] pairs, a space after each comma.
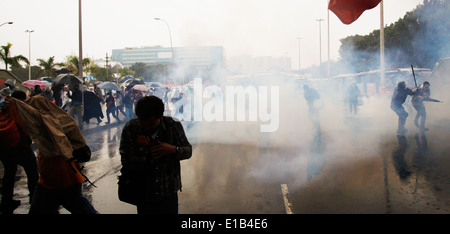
{"points": [[151, 148]]}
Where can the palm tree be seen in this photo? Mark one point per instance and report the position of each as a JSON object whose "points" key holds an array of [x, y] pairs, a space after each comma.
{"points": [[72, 64], [49, 66], [5, 56]]}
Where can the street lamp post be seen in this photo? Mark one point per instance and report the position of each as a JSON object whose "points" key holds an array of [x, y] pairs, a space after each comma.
{"points": [[80, 42], [320, 43], [328, 47], [171, 45], [6, 23], [29, 53], [299, 56]]}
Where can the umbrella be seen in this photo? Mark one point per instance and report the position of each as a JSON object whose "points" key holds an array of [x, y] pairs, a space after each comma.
{"points": [[140, 87], [32, 83], [63, 71], [154, 84], [46, 78], [135, 82], [125, 78], [67, 79], [109, 86]]}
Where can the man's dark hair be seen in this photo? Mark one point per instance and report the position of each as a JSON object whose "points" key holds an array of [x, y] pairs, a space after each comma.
{"points": [[19, 94], [149, 106]]}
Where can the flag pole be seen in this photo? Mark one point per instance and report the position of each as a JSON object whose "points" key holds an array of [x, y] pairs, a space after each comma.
{"points": [[80, 60], [328, 23], [382, 66]]}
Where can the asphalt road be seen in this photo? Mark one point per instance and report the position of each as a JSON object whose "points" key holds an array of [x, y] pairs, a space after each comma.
{"points": [[357, 164]]}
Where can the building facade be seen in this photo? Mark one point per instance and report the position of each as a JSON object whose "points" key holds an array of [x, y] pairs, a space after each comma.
{"points": [[200, 57]]}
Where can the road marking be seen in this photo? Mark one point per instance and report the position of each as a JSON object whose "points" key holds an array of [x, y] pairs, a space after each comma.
{"points": [[287, 204]]}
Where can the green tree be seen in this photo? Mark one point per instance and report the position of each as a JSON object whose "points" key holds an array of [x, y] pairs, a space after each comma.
{"points": [[49, 66], [7, 59], [139, 69], [72, 62], [22, 72], [419, 38], [126, 72], [102, 73]]}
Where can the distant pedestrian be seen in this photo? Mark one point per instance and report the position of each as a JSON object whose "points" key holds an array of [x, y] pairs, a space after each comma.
{"points": [[99, 93], [128, 101], [76, 103], [119, 103], [151, 148], [36, 91], [111, 107], [311, 96], [57, 94], [65, 99], [398, 98], [353, 95], [92, 107], [48, 93]]}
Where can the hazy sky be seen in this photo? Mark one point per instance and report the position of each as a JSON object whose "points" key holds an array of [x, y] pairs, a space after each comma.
{"points": [[242, 27]]}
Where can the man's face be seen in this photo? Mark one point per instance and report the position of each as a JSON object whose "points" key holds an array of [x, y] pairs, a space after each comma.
{"points": [[150, 124], [426, 86]]}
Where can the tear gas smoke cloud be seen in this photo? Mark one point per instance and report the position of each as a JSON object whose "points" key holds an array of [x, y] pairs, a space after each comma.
{"points": [[294, 146], [230, 106], [345, 139]]}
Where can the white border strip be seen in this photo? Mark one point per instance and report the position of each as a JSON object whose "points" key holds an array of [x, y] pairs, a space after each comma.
{"points": [[287, 204]]}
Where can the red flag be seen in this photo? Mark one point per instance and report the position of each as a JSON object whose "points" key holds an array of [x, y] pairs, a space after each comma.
{"points": [[349, 10]]}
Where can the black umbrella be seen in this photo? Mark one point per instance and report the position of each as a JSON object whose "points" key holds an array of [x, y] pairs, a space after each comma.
{"points": [[109, 86], [135, 82], [125, 78], [63, 71], [67, 79]]}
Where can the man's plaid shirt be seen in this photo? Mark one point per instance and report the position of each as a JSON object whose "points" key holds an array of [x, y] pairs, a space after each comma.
{"points": [[161, 177]]}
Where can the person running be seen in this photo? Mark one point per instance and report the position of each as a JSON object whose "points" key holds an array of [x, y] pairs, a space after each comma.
{"points": [[111, 107]]}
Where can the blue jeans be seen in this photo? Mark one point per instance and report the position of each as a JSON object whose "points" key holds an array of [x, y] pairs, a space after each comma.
{"points": [[47, 201], [402, 115], [129, 113]]}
